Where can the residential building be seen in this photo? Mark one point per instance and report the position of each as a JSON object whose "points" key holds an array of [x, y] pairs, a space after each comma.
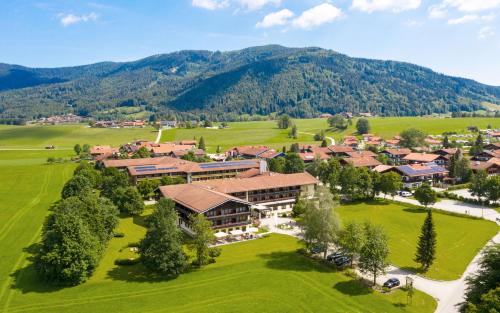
{"points": [[396, 155], [100, 153], [413, 175], [492, 166]]}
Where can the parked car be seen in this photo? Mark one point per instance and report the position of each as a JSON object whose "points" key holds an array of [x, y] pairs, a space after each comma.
{"points": [[404, 193], [332, 257], [392, 282], [342, 261], [316, 249]]}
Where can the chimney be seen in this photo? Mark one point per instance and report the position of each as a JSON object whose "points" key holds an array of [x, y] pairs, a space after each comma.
{"points": [[262, 166]]}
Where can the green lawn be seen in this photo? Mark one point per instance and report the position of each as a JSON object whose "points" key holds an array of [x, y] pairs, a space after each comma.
{"points": [[458, 238], [66, 136], [266, 132], [263, 275]]}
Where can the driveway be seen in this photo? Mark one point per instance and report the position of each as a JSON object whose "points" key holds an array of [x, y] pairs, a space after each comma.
{"points": [[459, 207], [447, 293]]}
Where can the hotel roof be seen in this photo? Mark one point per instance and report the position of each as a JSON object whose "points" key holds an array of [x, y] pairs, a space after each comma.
{"points": [[197, 198], [183, 166], [268, 181]]}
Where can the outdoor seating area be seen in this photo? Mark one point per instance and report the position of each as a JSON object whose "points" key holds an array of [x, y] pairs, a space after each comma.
{"points": [[236, 235]]}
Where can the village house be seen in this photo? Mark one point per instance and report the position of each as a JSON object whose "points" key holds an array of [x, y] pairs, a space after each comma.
{"points": [[350, 141], [422, 158], [414, 175], [247, 152], [396, 155], [486, 155], [491, 166]]}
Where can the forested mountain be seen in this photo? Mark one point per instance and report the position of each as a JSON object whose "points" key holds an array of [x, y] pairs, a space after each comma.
{"points": [[260, 80]]}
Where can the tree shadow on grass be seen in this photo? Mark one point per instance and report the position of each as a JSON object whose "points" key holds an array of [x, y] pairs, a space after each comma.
{"points": [[415, 210], [135, 273], [293, 261], [353, 288], [27, 280]]}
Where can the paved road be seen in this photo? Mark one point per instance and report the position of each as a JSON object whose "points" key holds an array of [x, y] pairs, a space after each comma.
{"points": [[459, 207], [447, 293], [158, 138]]}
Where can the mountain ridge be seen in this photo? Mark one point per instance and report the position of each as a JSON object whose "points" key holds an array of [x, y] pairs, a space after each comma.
{"points": [[256, 80]]}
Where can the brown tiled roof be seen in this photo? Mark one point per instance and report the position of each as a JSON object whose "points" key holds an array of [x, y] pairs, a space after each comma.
{"points": [[143, 161], [310, 156], [361, 154], [166, 148], [448, 151], [421, 157], [480, 165], [393, 141], [103, 150], [402, 151], [382, 168], [340, 149], [250, 150], [269, 154], [197, 198], [196, 152], [362, 162], [272, 180], [188, 142]]}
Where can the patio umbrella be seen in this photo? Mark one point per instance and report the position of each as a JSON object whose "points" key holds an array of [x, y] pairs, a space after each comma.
{"points": [[236, 232], [252, 229], [220, 234]]}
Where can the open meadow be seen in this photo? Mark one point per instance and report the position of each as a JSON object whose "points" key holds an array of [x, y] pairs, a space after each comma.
{"points": [[459, 239], [267, 133]]}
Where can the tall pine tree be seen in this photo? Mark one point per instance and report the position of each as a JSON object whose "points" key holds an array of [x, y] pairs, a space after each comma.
{"points": [[426, 248]]}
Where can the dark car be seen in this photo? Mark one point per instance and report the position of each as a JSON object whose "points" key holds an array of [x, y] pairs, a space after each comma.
{"points": [[392, 282], [342, 261], [317, 249], [332, 257]]}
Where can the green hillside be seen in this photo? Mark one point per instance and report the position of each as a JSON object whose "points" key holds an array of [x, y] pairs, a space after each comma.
{"points": [[258, 81]]}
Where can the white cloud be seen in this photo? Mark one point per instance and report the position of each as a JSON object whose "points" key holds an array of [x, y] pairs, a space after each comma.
{"points": [[471, 18], [413, 23], [257, 4], [486, 32], [276, 18], [67, 19], [472, 5], [437, 11], [210, 4], [385, 5], [318, 15]]}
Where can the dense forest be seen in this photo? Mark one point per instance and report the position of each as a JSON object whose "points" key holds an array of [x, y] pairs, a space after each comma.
{"points": [[302, 82]]}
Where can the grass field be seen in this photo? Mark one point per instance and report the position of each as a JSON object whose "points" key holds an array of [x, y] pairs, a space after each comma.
{"points": [[241, 133], [66, 136], [266, 132], [458, 238], [27, 188]]}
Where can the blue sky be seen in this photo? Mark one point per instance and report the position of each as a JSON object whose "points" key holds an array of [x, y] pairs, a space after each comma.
{"points": [[457, 37]]}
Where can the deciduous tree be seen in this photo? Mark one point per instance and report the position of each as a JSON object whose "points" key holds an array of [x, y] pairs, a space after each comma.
{"points": [[375, 251]]}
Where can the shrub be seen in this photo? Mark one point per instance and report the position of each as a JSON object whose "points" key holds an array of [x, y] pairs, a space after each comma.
{"points": [[214, 252]]}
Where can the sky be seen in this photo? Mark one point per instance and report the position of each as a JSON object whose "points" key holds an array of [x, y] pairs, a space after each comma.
{"points": [[455, 37]]}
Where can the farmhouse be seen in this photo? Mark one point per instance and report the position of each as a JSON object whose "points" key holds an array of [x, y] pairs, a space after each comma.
{"points": [[230, 199], [486, 155], [103, 152], [155, 168], [420, 158]]}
